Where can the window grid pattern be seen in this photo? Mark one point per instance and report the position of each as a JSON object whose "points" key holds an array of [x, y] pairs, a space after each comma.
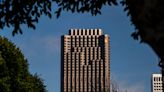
{"points": [[86, 61], [157, 83]]}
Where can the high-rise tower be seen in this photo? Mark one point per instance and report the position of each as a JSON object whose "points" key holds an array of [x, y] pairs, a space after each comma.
{"points": [[85, 61]]}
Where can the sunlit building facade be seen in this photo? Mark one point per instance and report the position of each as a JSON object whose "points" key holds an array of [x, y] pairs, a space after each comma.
{"points": [[156, 83], [85, 65]]}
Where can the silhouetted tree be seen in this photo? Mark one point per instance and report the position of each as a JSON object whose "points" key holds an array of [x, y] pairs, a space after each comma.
{"points": [[14, 13], [14, 74], [147, 16]]}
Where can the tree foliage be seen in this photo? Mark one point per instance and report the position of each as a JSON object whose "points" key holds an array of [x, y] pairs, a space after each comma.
{"points": [[81, 6], [147, 16], [14, 13], [14, 74]]}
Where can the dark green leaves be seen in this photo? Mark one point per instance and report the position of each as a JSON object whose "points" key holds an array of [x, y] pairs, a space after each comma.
{"points": [[14, 74]]}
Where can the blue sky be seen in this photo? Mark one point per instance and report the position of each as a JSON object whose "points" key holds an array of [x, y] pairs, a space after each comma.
{"points": [[132, 63]]}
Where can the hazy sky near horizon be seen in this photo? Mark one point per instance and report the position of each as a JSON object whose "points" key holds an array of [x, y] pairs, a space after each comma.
{"points": [[131, 63]]}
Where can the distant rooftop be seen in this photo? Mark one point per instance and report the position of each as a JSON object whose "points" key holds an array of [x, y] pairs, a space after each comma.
{"points": [[157, 75]]}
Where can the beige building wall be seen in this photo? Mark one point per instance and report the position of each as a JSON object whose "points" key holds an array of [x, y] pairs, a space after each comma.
{"points": [[85, 65], [157, 83]]}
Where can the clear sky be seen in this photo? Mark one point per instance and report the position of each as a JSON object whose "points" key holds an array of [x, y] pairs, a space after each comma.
{"points": [[132, 63]]}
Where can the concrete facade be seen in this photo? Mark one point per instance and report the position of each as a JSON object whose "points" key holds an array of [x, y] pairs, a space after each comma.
{"points": [[85, 65], [156, 83]]}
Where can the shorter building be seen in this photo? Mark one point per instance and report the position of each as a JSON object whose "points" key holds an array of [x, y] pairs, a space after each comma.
{"points": [[156, 83]]}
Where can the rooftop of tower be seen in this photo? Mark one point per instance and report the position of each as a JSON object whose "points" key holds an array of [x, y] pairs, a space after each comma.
{"points": [[85, 32]]}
